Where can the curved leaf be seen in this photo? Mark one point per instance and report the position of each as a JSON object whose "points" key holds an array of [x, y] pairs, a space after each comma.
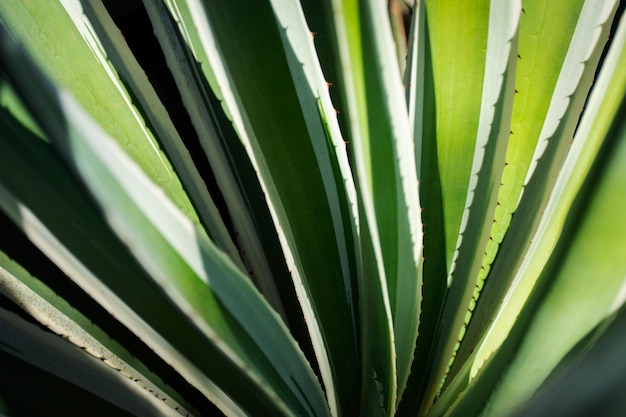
{"points": [[64, 43], [215, 303], [307, 194]]}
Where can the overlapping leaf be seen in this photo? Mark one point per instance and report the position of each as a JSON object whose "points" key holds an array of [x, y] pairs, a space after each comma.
{"points": [[218, 312]]}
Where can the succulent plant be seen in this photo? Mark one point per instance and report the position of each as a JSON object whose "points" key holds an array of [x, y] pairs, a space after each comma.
{"points": [[312, 208]]}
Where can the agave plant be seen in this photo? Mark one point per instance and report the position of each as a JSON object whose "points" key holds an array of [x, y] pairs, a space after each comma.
{"points": [[312, 208]]}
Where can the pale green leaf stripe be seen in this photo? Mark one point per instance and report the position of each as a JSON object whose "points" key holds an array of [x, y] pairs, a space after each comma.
{"points": [[278, 152], [330, 154], [587, 42], [405, 252], [385, 171], [54, 32], [488, 163], [180, 259], [379, 384], [54, 313], [414, 79], [46, 351], [153, 110], [309, 80]]}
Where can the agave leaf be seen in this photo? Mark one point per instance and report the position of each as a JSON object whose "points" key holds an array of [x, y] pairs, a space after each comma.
{"points": [[335, 28], [596, 128], [393, 188], [542, 51], [378, 384], [532, 238], [589, 385], [559, 122], [535, 202], [64, 43], [445, 113], [74, 235], [55, 313], [492, 133], [308, 195], [575, 304], [422, 118], [552, 333], [383, 159], [234, 174], [218, 309], [488, 139], [157, 117], [458, 61], [64, 369]]}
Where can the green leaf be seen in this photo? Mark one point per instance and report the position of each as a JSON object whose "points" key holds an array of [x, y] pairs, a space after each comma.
{"points": [[64, 43], [445, 114], [577, 302], [587, 30], [464, 277], [34, 362], [458, 41], [486, 142], [233, 171], [56, 314], [243, 342], [542, 51], [393, 185], [160, 123], [422, 119], [75, 236], [488, 164], [309, 195], [591, 385], [384, 165], [532, 239], [589, 279]]}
